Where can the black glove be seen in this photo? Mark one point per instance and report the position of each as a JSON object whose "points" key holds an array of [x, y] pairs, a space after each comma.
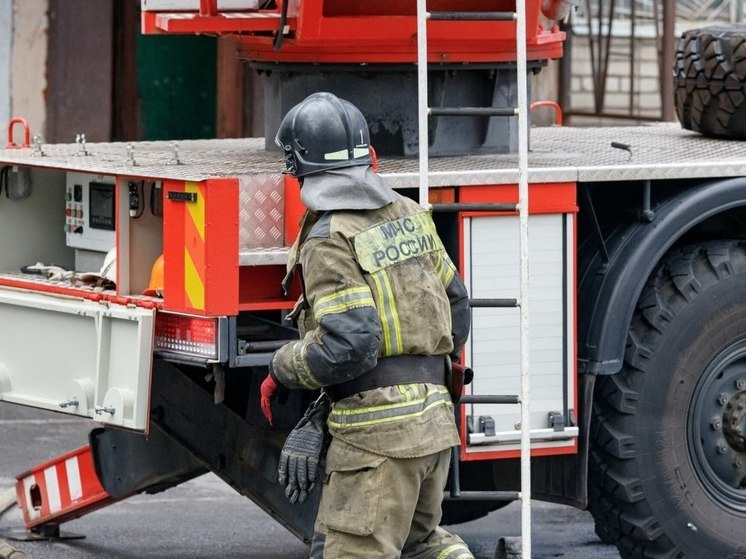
{"points": [[299, 459]]}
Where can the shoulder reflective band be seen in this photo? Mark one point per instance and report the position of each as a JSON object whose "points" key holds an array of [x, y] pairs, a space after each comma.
{"points": [[396, 241]]}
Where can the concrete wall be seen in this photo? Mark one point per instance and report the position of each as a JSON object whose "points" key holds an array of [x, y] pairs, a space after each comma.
{"points": [[5, 54], [30, 25]]}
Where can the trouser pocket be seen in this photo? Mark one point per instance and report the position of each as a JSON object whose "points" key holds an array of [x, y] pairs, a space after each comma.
{"points": [[352, 491]]}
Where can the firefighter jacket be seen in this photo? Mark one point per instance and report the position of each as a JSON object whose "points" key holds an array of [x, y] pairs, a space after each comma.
{"points": [[377, 284]]}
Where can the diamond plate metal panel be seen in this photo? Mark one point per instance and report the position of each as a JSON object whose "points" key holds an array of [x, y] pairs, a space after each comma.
{"points": [[663, 151], [264, 256], [191, 160], [261, 211]]}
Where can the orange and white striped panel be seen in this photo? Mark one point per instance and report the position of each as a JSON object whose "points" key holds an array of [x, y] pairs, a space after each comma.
{"points": [[60, 487]]}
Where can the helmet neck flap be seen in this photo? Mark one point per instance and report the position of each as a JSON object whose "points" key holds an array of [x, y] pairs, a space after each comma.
{"points": [[350, 188]]}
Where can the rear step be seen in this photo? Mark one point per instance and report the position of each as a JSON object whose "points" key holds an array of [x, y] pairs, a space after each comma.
{"points": [[57, 491]]}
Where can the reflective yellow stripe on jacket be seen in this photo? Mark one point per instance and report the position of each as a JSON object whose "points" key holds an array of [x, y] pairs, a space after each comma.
{"points": [[342, 301], [300, 364], [392, 338], [456, 551], [357, 417], [445, 269]]}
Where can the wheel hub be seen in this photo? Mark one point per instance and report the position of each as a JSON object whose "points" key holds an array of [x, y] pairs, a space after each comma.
{"points": [[734, 422], [717, 427]]}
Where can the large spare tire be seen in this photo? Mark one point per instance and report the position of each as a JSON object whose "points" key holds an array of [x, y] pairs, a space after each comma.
{"points": [[710, 81]]}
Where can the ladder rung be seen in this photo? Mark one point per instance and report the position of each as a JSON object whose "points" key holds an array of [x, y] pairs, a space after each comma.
{"points": [[484, 399], [482, 496], [474, 207], [472, 16], [473, 111], [493, 303]]}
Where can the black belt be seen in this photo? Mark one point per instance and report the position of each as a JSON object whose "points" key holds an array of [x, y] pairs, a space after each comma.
{"points": [[390, 371]]}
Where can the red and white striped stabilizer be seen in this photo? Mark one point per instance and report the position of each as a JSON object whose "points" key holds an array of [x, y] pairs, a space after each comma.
{"points": [[60, 490]]}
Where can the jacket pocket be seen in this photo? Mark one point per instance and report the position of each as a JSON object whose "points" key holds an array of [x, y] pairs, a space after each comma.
{"points": [[352, 490]]}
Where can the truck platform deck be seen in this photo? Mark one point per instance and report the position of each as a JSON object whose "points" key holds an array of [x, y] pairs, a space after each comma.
{"points": [[558, 154]]}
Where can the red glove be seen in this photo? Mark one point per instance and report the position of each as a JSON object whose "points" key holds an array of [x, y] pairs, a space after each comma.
{"points": [[267, 390]]}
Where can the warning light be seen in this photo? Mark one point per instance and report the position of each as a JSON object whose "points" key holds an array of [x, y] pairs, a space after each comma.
{"points": [[187, 334]]}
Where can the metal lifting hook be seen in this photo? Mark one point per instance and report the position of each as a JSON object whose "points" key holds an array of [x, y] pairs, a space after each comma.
{"points": [[26, 135]]}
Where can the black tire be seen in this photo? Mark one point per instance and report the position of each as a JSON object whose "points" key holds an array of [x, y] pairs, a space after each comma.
{"points": [[667, 477], [710, 81]]}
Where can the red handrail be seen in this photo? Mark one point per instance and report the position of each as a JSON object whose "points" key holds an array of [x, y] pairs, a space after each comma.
{"points": [[26, 135], [555, 106]]}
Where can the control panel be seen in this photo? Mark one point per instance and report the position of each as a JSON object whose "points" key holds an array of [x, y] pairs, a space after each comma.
{"points": [[90, 211]]}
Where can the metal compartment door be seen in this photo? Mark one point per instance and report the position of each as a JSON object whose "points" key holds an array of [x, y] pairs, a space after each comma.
{"points": [[76, 356], [493, 350]]}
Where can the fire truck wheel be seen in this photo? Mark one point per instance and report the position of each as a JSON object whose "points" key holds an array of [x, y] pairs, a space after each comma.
{"points": [[668, 436], [710, 81]]}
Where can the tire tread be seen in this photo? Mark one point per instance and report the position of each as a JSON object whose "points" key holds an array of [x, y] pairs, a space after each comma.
{"points": [[710, 81], [616, 499]]}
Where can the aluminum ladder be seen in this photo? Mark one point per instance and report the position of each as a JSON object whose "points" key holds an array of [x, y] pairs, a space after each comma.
{"points": [[522, 112]]}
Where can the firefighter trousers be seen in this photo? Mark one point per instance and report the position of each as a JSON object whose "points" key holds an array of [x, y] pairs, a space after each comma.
{"points": [[376, 506]]}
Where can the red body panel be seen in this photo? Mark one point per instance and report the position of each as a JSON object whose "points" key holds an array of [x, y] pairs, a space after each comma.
{"points": [[200, 247], [338, 31]]}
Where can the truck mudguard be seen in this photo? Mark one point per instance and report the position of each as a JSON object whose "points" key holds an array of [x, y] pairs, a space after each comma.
{"points": [[609, 290]]}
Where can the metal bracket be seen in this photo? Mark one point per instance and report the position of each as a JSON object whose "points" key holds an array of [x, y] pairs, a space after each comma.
{"points": [[182, 196], [36, 145], [131, 156], [82, 150], [100, 410], [175, 160], [557, 421], [45, 532]]}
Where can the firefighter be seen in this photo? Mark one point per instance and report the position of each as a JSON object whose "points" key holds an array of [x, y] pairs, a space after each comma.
{"points": [[383, 308]]}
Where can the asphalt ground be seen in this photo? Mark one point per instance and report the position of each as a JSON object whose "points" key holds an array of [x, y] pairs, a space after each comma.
{"points": [[205, 518]]}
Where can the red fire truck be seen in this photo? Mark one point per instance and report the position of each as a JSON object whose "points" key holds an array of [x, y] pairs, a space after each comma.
{"points": [[637, 259]]}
